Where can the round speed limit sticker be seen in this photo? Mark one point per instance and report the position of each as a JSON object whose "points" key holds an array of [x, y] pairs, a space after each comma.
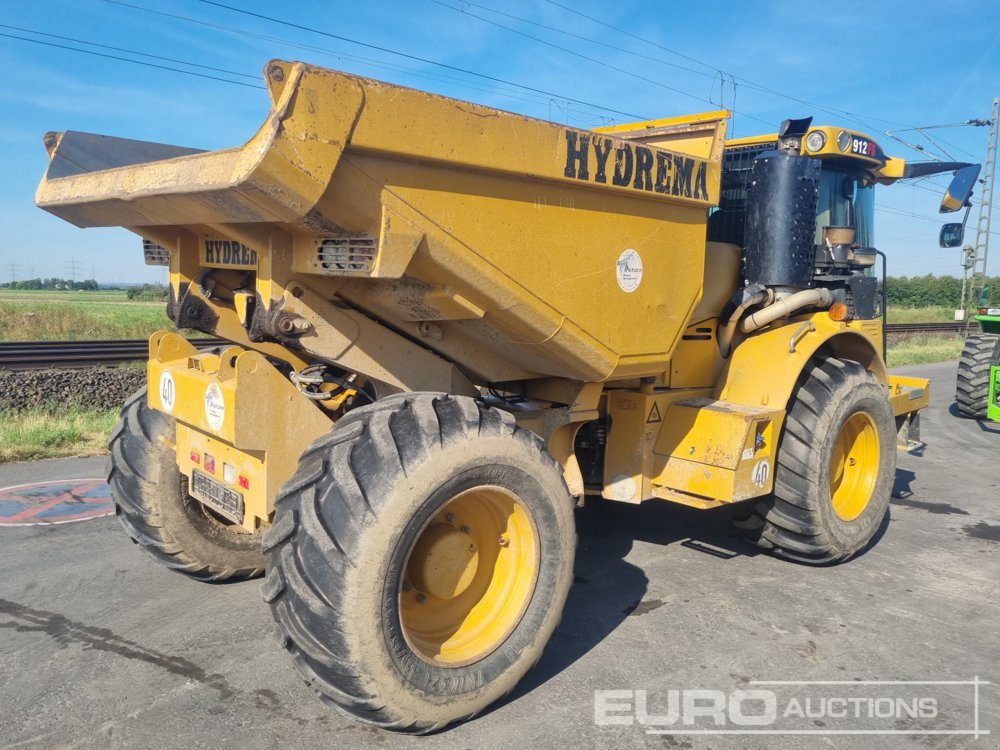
{"points": [[168, 391]]}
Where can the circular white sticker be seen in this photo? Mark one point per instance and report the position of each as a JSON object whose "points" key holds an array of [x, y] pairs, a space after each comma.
{"points": [[168, 391], [629, 270], [215, 406]]}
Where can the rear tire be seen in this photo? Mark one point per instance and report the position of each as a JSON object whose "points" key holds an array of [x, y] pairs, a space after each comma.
{"points": [[834, 469], [361, 572], [972, 388], [153, 505]]}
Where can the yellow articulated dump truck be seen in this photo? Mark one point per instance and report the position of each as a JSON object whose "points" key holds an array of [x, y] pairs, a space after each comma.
{"points": [[449, 325]]}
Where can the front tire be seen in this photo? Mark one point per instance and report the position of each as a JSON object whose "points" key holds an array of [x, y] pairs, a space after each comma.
{"points": [[420, 559], [972, 387], [834, 470], [153, 505]]}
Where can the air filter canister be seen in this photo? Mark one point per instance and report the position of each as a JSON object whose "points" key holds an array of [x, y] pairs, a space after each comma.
{"points": [[781, 220]]}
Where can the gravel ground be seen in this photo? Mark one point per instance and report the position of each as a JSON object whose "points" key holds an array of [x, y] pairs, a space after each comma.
{"points": [[95, 387]]}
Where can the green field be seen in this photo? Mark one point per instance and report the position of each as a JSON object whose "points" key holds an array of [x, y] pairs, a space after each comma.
{"points": [[47, 315]]}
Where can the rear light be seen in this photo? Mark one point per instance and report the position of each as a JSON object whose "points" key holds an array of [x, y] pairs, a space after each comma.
{"points": [[988, 311], [244, 482], [209, 463], [195, 457]]}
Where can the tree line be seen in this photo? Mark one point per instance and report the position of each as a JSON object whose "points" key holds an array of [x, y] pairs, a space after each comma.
{"points": [[930, 291], [152, 292], [84, 285]]}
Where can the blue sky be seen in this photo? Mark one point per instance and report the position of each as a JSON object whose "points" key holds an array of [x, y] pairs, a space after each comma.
{"points": [[870, 65]]}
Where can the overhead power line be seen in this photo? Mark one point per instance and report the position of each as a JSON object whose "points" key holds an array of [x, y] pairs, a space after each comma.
{"points": [[425, 60], [745, 81], [336, 54], [130, 60], [715, 74], [131, 51], [859, 119], [588, 58], [910, 214], [589, 40], [630, 34]]}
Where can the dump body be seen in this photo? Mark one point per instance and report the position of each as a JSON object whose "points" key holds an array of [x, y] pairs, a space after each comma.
{"points": [[526, 248]]}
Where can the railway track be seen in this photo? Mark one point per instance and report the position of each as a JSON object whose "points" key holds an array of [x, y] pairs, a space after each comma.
{"points": [[33, 355], [957, 326]]}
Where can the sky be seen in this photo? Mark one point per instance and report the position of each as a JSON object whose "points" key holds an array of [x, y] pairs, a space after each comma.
{"points": [[870, 65]]}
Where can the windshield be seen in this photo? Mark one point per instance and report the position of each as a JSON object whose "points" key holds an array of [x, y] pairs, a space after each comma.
{"points": [[845, 202]]}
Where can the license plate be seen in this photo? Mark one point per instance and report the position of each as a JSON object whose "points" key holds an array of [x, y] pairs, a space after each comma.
{"points": [[217, 496]]}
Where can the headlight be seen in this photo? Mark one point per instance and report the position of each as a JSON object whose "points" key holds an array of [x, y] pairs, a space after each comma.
{"points": [[815, 140], [844, 141]]}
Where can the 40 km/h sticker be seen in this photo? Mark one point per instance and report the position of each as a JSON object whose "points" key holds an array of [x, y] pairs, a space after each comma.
{"points": [[628, 270], [761, 473], [168, 391]]}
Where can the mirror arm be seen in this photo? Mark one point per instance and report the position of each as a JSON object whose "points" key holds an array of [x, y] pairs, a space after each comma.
{"points": [[926, 168]]}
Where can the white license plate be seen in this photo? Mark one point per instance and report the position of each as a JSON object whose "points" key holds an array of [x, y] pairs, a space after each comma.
{"points": [[224, 500]]}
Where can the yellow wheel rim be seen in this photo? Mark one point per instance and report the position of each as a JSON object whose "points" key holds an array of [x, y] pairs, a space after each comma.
{"points": [[469, 577], [854, 466]]}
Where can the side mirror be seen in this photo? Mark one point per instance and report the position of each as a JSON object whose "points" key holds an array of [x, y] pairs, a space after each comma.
{"points": [[960, 190], [951, 235]]}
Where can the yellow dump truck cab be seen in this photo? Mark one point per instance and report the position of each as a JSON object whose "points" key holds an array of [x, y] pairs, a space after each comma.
{"points": [[449, 324]]}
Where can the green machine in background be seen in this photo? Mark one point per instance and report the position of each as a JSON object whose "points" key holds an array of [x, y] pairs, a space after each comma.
{"points": [[993, 412], [978, 385]]}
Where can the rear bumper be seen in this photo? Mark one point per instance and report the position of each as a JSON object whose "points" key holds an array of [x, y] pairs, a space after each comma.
{"points": [[239, 420]]}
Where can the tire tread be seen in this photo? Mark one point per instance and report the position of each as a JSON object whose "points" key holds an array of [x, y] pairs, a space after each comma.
{"points": [[366, 448], [136, 461]]}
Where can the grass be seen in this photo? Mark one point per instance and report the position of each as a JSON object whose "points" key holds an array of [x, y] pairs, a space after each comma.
{"points": [[28, 320], [924, 349], [53, 433], [50, 315], [932, 314], [57, 295]]}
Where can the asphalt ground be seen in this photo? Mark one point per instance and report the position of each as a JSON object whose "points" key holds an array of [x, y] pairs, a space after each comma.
{"points": [[101, 647]]}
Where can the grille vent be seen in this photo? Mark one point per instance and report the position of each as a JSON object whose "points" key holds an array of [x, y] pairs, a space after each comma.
{"points": [[346, 254], [155, 255]]}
